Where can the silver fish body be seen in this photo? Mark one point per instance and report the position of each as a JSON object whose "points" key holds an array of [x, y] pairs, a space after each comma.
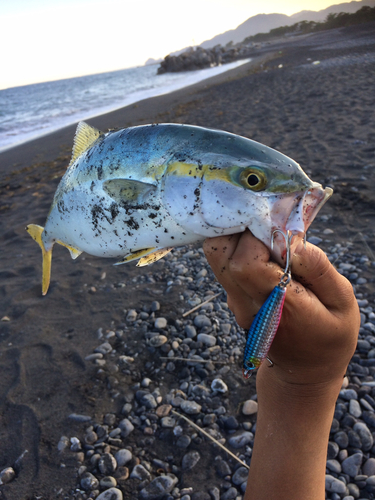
{"points": [[142, 190]]}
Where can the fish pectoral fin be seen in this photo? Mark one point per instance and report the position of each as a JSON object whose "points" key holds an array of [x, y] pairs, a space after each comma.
{"points": [[128, 191], [74, 252], [153, 257], [85, 137], [135, 255], [35, 232]]}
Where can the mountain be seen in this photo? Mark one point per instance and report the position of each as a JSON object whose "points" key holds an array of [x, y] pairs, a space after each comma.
{"points": [[263, 23]]}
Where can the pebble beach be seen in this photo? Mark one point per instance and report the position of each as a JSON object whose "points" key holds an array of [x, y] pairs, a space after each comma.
{"points": [[114, 383]]}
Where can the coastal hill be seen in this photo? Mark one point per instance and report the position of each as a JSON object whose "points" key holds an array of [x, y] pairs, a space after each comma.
{"points": [[262, 23], [248, 37]]}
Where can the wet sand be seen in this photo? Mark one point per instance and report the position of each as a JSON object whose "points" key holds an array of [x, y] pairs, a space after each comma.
{"points": [[321, 115]]}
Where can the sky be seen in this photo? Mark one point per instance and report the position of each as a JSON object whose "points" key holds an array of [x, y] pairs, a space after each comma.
{"points": [[45, 40]]}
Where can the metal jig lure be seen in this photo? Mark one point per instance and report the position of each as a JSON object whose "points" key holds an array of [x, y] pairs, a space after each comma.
{"points": [[266, 322]]}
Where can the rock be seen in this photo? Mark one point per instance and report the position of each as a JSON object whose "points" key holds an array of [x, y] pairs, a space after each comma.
{"points": [[352, 464], [190, 460], [190, 331], [230, 494], [104, 348], [158, 340], [334, 485], [219, 386], [208, 340], [222, 468], [369, 467], [332, 450], [249, 407], [88, 481], [183, 441], [7, 475], [155, 306], [126, 427], [214, 493], [139, 472], [190, 407], [131, 316], [355, 408], [107, 464], [158, 488], [241, 439], [333, 466], [341, 438], [111, 494], [365, 435], [123, 456], [240, 475], [160, 323], [168, 422], [107, 482], [314, 240], [202, 320]]}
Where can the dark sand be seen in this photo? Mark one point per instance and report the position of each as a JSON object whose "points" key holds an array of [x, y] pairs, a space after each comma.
{"points": [[322, 116]]}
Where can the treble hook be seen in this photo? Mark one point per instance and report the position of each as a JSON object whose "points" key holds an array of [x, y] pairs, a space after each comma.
{"points": [[286, 277]]}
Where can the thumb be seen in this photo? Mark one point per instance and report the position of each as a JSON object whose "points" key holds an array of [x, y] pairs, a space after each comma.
{"points": [[312, 269]]}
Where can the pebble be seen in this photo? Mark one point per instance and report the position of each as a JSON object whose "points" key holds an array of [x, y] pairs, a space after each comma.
{"points": [[241, 439], [158, 488], [139, 472], [369, 467], [334, 485], [352, 464], [365, 435], [160, 323], [126, 427], [355, 408], [123, 457], [219, 386], [107, 464], [190, 460], [190, 407], [111, 494], [240, 476], [7, 475], [131, 316], [158, 340], [201, 320], [250, 407], [230, 494], [206, 339]]}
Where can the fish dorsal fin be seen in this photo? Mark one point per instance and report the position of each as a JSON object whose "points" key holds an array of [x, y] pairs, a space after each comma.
{"points": [[128, 191], [153, 257], [85, 137]]}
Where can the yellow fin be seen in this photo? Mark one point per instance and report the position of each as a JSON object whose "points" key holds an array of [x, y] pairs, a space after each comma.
{"points": [[153, 257], [135, 255], [74, 252], [85, 137], [35, 232], [128, 191]]}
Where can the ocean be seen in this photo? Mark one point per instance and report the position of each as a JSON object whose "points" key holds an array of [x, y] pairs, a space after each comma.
{"points": [[31, 111]]}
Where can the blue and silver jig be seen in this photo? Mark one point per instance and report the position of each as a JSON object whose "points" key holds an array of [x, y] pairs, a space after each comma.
{"points": [[266, 322]]}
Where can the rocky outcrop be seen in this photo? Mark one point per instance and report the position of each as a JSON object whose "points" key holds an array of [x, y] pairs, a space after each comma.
{"points": [[199, 58]]}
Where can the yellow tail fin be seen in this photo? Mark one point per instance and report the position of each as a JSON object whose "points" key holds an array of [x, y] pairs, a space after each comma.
{"points": [[36, 233]]}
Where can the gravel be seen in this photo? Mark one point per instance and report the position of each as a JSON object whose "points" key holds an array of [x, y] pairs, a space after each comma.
{"points": [[154, 363]]}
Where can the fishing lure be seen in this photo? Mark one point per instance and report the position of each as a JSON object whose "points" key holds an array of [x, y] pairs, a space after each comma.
{"points": [[266, 322]]}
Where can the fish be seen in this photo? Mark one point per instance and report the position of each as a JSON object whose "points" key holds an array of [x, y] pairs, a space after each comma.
{"points": [[136, 193]]}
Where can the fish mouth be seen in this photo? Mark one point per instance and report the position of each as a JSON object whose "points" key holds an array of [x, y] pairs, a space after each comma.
{"points": [[303, 208]]}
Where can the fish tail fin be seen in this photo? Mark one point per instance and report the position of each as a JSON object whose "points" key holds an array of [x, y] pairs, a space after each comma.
{"points": [[35, 232]]}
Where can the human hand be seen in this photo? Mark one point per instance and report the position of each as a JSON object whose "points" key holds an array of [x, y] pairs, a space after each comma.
{"points": [[319, 326]]}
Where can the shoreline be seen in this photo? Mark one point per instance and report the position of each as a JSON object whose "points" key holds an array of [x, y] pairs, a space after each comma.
{"points": [[51, 145]]}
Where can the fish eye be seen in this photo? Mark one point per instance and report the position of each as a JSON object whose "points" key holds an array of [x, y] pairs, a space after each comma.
{"points": [[253, 178]]}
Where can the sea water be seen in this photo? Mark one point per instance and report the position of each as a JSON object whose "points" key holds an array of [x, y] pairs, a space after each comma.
{"points": [[31, 111]]}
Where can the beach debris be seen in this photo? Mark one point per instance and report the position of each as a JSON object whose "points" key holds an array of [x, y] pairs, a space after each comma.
{"points": [[138, 192]]}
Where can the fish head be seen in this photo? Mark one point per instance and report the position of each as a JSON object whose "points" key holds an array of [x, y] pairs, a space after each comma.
{"points": [[263, 198]]}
